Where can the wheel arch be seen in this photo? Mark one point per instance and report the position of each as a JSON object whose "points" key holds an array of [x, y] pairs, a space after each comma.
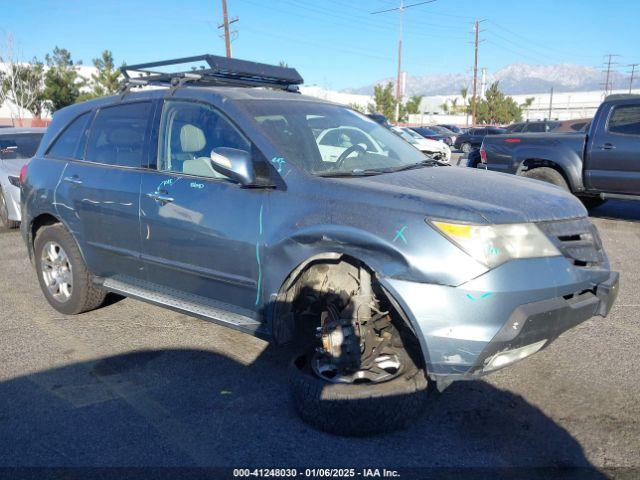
{"points": [[283, 324], [567, 163]]}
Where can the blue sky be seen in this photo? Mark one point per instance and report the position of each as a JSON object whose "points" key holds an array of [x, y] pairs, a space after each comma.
{"points": [[334, 43]]}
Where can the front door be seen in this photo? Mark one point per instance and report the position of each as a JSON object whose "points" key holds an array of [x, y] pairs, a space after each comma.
{"points": [[201, 231], [613, 162]]}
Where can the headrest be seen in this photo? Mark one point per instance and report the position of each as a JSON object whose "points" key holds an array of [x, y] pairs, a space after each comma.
{"points": [[125, 137], [191, 138]]}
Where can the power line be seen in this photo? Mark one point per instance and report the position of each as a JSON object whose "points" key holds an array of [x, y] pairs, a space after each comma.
{"points": [[633, 71], [400, 9], [608, 82], [225, 25]]}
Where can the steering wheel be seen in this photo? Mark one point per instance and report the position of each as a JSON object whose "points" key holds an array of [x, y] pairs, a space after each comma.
{"points": [[343, 156]]}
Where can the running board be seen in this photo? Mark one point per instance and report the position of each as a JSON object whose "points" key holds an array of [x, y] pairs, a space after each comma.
{"points": [[194, 305], [619, 196]]}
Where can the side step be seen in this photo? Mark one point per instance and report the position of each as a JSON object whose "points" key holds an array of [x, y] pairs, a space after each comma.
{"points": [[195, 305], [619, 196]]}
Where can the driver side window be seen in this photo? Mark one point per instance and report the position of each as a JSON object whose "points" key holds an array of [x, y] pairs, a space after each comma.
{"points": [[189, 132]]}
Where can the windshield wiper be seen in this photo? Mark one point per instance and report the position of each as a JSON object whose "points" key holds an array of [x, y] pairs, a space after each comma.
{"points": [[429, 162], [356, 172]]}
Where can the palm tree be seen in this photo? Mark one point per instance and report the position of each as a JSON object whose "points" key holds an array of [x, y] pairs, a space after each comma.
{"points": [[527, 104], [445, 107], [464, 91]]}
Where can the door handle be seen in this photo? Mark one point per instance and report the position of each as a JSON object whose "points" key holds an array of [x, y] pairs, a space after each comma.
{"points": [[161, 198], [607, 146], [73, 179]]}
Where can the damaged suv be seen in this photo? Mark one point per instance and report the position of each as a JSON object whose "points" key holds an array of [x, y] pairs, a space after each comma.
{"points": [[302, 221]]}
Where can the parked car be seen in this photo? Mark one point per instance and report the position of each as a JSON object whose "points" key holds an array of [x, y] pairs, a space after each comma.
{"points": [[17, 145], [452, 128], [474, 137], [603, 163], [537, 126], [431, 134], [380, 119], [576, 125], [434, 148], [387, 270]]}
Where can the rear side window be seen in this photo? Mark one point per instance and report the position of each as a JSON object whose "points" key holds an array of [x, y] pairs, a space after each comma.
{"points": [[70, 143], [117, 135], [625, 119], [19, 146]]}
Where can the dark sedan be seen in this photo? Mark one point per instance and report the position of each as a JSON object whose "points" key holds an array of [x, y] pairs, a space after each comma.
{"points": [[473, 138]]}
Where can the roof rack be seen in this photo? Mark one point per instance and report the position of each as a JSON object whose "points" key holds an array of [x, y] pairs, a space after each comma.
{"points": [[212, 70]]}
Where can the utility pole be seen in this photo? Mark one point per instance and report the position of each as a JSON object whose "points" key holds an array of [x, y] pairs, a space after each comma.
{"points": [[633, 70], [474, 97], [608, 83], [398, 78], [401, 8], [225, 25], [550, 104]]}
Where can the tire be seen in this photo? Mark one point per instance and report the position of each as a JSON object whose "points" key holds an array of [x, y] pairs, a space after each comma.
{"points": [[465, 147], [592, 202], [357, 409], [4, 213], [80, 295], [548, 175]]}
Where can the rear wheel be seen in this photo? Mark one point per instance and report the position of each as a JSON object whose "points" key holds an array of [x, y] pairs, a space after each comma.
{"points": [[465, 147], [64, 279], [361, 373], [547, 174], [4, 213]]}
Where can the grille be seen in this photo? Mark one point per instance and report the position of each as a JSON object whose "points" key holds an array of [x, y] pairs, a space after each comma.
{"points": [[577, 240]]}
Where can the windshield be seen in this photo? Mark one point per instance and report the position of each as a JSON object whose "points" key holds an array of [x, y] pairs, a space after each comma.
{"points": [[330, 139], [19, 146]]}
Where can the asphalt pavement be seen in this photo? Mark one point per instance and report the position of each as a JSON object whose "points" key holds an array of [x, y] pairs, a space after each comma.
{"points": [[132, 385]]}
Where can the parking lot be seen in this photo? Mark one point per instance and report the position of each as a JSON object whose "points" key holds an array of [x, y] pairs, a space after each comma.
{"points": [[134, 385]]}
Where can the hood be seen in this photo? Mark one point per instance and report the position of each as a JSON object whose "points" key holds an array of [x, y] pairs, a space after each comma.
{"points": [[474, 195], [12, 166]]}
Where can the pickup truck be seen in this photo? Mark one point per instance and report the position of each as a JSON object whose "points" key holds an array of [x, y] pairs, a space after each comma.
{"points": [[600, 164]]}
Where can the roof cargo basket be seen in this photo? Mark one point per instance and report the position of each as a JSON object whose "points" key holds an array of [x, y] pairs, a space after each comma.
{"points": [[211, 70]]}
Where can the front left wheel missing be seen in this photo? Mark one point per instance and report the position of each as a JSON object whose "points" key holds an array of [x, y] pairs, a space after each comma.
{"points": [[361, 371]]}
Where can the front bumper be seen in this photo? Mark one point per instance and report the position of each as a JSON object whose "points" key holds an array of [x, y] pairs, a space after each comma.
{"points": [[462, 329]]}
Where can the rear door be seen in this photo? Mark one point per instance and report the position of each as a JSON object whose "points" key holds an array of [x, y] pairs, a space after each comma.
{"points": [[101, 191], [613, 154]]}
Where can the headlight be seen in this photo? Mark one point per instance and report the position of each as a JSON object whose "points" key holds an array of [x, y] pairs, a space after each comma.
{"points": [[493, 245]]}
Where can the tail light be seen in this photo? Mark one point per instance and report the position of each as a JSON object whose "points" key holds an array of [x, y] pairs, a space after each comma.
{"points": [[23, 173], [483, 154]]}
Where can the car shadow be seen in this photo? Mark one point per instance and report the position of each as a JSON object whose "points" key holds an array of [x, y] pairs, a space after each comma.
{"points": [[187, 408], [618, 210]]}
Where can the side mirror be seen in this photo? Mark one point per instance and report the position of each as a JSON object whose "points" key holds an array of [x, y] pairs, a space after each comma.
{"points": [[233, 163]]}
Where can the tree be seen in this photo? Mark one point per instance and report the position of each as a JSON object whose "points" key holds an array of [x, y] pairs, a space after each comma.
{"points": [[464, 92], [384, 100], [107, 79], [445, 106], [357, 107], [496, 108], [20, 83], [412, 107], [527, 104], [61, 81]]}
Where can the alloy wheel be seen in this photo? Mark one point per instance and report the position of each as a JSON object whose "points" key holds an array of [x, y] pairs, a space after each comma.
{"points": [[56, 271]]}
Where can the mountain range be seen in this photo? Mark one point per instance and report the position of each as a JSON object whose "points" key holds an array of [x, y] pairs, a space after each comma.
{"points": [[514, 79]]}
